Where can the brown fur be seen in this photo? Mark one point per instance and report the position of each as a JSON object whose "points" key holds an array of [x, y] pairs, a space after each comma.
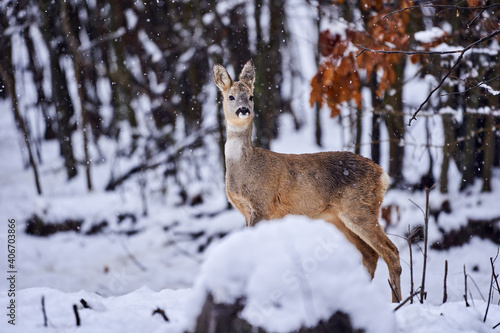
{"points": [[342, 188]]}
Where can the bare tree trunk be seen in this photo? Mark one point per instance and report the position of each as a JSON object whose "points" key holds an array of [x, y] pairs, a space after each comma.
{"points": [[376, 118], [469, 153], [489, 153], [11, 88], [60, 94], [359, 130], [268, 104], [448, 148], [396, 126], [318, 132], [77, 63]]}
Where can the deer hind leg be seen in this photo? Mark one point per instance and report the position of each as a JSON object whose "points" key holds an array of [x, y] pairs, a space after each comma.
{"points": [[370, 256], [370, 231]]}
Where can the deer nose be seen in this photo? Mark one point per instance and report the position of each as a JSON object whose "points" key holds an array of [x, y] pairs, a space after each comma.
{"points": [[243, 112]]}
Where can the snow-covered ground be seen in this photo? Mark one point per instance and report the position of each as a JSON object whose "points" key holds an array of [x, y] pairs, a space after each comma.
{"points": [[125, 278], [171, 257]]}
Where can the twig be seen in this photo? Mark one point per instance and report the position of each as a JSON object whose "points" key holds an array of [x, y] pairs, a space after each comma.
{"points": [[496, 325], [495, 276], [455, 64], [489, 294], [459, 59], [426, 232], [45, 321], [445, 294], [132, 257], [85, 304], [478, 290], [394, 293], [161, 312], [363, 49], [477, 85], [406, 300], [465, 294], [409, 240], [430, 5], [75, 310]]}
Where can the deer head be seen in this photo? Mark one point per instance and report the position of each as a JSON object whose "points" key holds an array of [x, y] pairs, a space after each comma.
{"points": [[238, 95]]}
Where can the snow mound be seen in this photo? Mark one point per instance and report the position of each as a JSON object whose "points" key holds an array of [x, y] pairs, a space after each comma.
{"points": [[290, 274]]}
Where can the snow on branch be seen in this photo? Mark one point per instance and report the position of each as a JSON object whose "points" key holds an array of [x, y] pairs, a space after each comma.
{"points": [[455, 64]]}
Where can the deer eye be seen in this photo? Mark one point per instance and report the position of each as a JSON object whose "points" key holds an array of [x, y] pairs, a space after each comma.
{"points": [[231, 98], [250, 98]]}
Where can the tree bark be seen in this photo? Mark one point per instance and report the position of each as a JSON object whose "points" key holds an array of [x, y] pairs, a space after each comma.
{"points": [[469, 154], [9, 82], [396, 126], [376, 118], [60, 98], [78, 61], [489, 153], [448, 148]]}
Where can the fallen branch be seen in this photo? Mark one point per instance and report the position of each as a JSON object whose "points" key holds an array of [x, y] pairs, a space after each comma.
{"points": [[172, 156], [406, 300]]}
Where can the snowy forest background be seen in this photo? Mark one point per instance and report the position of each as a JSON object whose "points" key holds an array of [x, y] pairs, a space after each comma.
{"points": [[112, 134]]}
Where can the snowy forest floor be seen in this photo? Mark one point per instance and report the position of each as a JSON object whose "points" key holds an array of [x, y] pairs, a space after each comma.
{"points": [[134, 264]]}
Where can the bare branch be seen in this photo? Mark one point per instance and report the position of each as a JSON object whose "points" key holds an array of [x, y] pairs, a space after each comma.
{"points": [[459, 59], [363, 49], [407, 299], [430, 5], [455, 64], [476, 86], [491, 289]]}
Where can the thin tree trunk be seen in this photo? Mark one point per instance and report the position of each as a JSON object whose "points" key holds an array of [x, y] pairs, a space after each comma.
{"points": [[77, 63], [489, 153], [60, 98], [396, 126], [469, 152], [359, 130], [10, 84], [318, 132], [448, 147]]}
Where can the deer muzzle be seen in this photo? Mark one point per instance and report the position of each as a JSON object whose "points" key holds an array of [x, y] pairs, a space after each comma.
{"points": [[243, 112]]}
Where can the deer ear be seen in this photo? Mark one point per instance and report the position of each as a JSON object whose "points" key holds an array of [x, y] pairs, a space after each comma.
{"points": [[221, 77], [247, 75]]}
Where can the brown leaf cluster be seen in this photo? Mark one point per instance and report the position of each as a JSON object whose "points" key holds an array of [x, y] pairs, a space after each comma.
{"points": [[338, 79], [325, 85]]}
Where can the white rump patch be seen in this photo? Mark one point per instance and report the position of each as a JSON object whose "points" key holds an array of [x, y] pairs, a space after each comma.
{"points": [[386, 181]]}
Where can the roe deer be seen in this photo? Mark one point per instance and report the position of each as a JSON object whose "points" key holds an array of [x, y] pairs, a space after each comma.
{"points": [[342, 188]]}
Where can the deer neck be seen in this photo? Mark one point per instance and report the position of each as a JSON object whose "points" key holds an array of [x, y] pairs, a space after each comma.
{"points": [[238, 145]]}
